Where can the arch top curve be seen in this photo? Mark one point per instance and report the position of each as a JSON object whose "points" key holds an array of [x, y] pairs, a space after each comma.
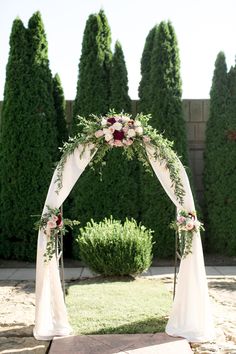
{"points": [[96, 138]]}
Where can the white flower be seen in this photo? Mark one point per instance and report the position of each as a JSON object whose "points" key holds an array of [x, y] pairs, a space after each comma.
{"points": [[131, 133], [146, 139], [106, 131], [137, 123], [99, 133], [108, 136], [117, 126], [125, 119], [139, 130], [103, 122]]}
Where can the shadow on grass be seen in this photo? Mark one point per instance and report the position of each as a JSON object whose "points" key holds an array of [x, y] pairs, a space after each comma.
{"points": [[101, 280], [149, 325]]}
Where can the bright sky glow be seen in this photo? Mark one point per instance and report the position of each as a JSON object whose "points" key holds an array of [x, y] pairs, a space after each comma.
{"points": [[203, 28]]}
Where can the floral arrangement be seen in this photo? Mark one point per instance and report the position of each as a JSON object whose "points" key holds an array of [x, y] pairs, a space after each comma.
{"points": [[53, 225], [121, 130], [186, 224]]}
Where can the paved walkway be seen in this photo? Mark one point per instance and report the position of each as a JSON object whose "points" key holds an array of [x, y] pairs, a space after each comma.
{"points": [[158, 343], [83, 272]]}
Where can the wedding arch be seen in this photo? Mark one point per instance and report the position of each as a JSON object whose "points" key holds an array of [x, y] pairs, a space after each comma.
{"points": [[190, 316]]}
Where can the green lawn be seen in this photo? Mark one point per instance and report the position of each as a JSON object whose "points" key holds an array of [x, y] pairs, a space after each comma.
{"points": [[100, 306]]}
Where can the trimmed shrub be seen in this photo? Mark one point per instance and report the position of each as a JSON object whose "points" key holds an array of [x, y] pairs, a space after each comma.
{"points": [[110, 248]]}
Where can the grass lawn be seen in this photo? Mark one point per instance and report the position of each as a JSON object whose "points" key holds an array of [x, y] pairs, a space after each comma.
{"points": [[104, 305]]}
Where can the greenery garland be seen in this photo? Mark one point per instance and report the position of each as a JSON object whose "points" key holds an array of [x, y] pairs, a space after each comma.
{"points": [[186, 224], [53, 224], [120, 130]]}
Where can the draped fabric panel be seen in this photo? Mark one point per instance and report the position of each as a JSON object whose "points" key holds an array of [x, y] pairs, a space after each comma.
{"points": [[50, 310], [190, 316]]}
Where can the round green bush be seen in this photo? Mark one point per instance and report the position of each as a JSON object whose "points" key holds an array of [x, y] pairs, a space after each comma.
{"points": [[110, 248]]}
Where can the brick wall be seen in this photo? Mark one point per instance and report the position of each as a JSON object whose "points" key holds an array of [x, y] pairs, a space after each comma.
{"points": [[196, 113]]}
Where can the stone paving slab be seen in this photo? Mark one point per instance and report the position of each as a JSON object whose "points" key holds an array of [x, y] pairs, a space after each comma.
{"points": [[158, 343], [84, 272]]}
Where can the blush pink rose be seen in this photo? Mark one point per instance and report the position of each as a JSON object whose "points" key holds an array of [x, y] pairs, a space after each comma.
{"points": [[111, 142], [51, 224], [54, 218], [181, 219], [146, 139], [128, 142], [99, 133], [189, 225], [118, 143]]}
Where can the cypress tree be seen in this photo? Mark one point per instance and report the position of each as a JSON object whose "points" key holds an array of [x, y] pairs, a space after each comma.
{"points": [[93, 86], [145, 92], [119, 98], [167, 117], [60, 106], [93, 95], [120, 184], [220, 153], [28, 143], [12, 127]]}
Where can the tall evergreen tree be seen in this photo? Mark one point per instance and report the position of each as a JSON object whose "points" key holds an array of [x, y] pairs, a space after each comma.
{"points": [[145, 92], [220, 154], [60, 106], [119, 174], [93, 86], [11, 131], [167, 117], [28, 139], [119, 98], [93, 95]]}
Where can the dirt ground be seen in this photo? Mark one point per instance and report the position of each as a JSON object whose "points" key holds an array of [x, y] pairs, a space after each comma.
{"points": [[17, 305]]}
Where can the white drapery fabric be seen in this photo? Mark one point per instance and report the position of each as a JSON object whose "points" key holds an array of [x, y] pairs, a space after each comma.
{"points": [[50, 310], [190, 316]]}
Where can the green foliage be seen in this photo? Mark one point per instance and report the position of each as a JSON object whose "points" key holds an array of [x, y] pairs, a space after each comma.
{"points": [[160, 147], [163, 72], [110, 248], [93, 86], [93, 197], [145, 89], [220, 155], [119, 98], [28, 138], [60, 106]]}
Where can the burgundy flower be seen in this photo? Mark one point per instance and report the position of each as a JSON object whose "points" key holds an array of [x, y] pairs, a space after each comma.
{"points": [[59, 220], [111, 120], [191, 215], [118, 135]]}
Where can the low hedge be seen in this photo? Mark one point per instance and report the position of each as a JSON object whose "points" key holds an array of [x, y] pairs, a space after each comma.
{"points": [[110, 248]]}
